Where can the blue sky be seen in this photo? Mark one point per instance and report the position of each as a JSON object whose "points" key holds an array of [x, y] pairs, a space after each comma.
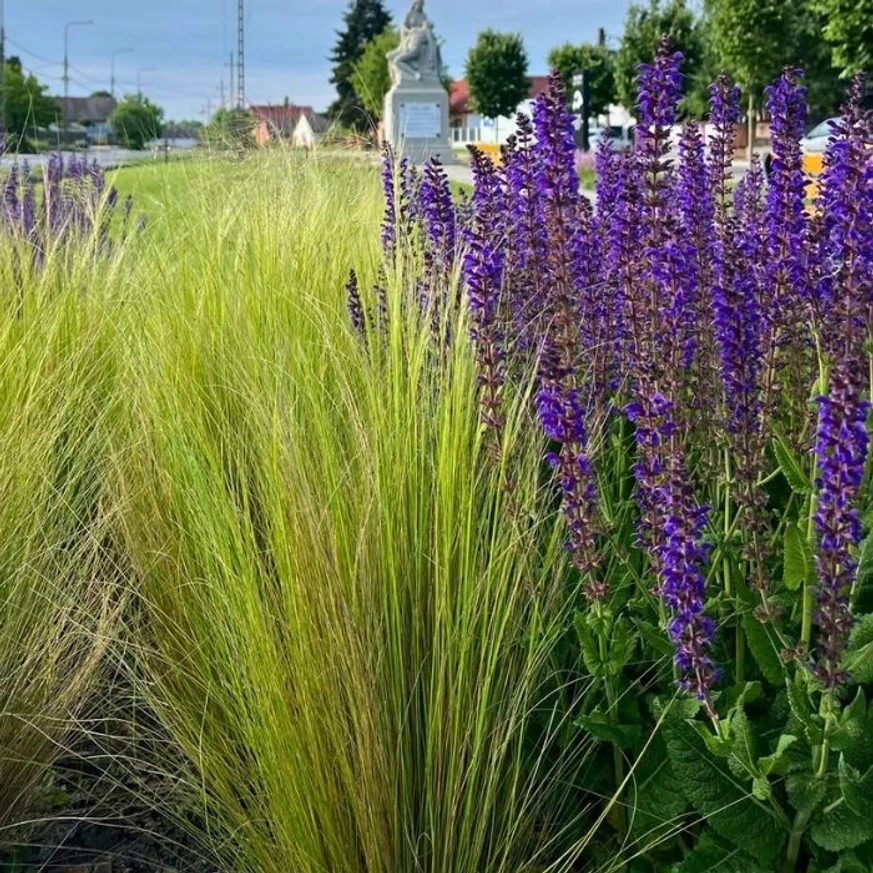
{"points": [[287, 42]]}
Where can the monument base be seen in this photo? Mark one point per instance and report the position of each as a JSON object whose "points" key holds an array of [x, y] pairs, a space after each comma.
{"points": [[417, 121]]}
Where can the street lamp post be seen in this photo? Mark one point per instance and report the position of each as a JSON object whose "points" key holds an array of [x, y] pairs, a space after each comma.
{"points": [[67, 27], [112, 68], [139, 73]]}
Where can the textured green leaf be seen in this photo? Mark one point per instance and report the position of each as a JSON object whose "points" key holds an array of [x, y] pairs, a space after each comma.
{"points": [[838, 828], [719, 796], [600, 726], [715, 744], [622, 642], [862, 593], [791, 468], [854, 735], [796, 558], [801, 709], [857, 790], [588, 644], [858, 660], [764, 652], [654, 638], [761, 787], [657, 803], [712, 854], [776, 763], [805, 792], [743, 760]]}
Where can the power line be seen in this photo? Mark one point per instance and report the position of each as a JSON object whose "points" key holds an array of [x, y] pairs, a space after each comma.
{"points": [[27, 51]]}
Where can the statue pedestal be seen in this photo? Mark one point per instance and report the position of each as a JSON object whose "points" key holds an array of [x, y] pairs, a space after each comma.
{"points": [[417, 121]]}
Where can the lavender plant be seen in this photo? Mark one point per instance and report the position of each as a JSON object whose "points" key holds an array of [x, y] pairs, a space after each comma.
{"points": [[717, 520], [71, 207]]}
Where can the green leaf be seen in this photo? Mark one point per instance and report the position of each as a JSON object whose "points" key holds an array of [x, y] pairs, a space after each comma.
{"points": [[764, 652], [857, 790], [761, 787], [744, 745], [712, 854], [622, 642], [862, 592], [776, 763], [796, 558], [854, 735], [714, 743], [657, 803], [837, 828], [805, 792], [588, 644], [801, 709], [858, 659], [790, 467], [599, 725], [654, 638], [719, 796]]}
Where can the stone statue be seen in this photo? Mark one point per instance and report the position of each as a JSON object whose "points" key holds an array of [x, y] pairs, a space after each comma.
{"points": [[417, 58]]}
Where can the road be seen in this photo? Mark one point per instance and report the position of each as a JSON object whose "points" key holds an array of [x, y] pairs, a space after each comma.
{"points": [[106, 157]]}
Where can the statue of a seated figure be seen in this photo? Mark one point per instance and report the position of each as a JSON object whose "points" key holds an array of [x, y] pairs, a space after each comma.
{"points": [[417, 58]]}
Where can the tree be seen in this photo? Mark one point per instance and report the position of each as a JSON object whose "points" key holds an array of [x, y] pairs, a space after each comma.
{"points": [[101, 94], [643, 28], [496, 73], [371, 78], [230, 129], [136, 121], [567, 59], [364, 20], [28, 104], [754, 39], [848, 29]]}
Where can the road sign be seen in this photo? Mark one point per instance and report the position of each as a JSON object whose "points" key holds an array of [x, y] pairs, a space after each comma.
{"points": [[577, 101], [577, 80]]}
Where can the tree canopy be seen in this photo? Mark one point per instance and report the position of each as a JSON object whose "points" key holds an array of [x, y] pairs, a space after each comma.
{"points": [[567, 59], [643, 29], [363, 21], [496, 73], [28, 103], [371, 78], [136, 121], [848, 29]]}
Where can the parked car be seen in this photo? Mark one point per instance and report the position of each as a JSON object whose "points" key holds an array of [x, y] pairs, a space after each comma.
{"points": [[621, 136]]}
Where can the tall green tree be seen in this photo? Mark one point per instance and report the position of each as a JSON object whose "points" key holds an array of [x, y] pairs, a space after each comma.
{"points": [[136, 121], [363, 21], [754, 39], [567, 59], [496, 73], [28, 103], [643, 28], [848, 29], [371, 78]]}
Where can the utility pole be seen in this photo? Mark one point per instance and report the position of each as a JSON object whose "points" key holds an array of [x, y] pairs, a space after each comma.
{"points": [[67, 27], [2, 74], [221, 87], [112, 68], [230, 101], [240, 55]]}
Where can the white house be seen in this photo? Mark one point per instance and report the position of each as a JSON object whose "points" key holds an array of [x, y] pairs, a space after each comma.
{"points": [[310, 128]]}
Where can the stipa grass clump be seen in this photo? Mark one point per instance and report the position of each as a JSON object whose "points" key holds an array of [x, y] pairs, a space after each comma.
{"points": [[58, 599], [351, 646]]}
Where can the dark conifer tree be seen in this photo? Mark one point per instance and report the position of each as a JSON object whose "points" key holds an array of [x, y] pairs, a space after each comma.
{"points": [[364, 19]]}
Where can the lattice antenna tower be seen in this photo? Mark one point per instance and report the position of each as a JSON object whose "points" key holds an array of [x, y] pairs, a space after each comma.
{"points": [[240, 55]]}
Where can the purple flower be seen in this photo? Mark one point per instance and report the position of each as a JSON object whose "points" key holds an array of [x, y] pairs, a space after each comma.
{"points": [[841, 453], [438, 212], [562, 415], [389, 221], [482, 269], [355, 307]]}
